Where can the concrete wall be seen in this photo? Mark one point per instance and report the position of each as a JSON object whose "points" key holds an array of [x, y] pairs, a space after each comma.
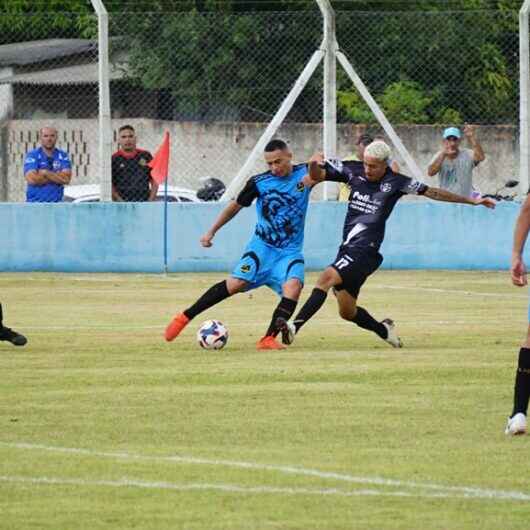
{"points": [[220, 149], [129, 237]]}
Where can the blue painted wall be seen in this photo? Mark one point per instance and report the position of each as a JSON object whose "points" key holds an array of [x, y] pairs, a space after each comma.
{"points": [[129, 237]]}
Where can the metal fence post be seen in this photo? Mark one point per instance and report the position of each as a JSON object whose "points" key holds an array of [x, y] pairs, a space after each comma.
{"points": [[105, 124], [273, 126], [524, 86], [378, 113], [329, 45]]}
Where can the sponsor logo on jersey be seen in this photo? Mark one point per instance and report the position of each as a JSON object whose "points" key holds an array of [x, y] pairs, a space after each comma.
{"points": [[360, 196], [245, 268], [363, 203], [386, 187]]}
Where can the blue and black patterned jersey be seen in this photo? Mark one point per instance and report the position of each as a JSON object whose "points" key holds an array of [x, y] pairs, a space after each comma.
{"points": [[281, 206], [370, 203]]}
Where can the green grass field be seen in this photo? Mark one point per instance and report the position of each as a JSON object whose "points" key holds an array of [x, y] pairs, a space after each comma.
{"points": [[104, 425]]}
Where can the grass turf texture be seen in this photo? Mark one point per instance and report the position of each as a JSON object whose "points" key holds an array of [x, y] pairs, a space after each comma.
{"points": [[97, 376]]}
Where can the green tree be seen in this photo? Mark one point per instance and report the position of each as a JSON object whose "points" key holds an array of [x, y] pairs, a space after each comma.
{"points": [[236, 55]]}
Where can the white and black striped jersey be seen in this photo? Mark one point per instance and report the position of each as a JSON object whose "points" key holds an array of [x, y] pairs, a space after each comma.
{"points": [[370, 203]]}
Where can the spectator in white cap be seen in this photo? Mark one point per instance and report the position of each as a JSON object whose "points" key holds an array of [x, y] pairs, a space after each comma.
{"points": [[454, 165]]}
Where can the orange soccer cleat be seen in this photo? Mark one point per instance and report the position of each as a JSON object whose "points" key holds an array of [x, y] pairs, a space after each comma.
{"points": [[269, 343], [176, 326]]}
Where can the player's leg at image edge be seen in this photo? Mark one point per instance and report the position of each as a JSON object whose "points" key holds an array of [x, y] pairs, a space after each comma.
{"points": [[10, 335], [517, 423]]}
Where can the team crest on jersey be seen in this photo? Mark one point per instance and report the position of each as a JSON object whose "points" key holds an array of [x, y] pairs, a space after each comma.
{"points": [[142, 162], [245, 268], [386, 187], [300, 186]]}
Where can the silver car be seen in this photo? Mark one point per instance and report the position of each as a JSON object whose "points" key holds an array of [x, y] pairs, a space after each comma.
{"points": [[91, 193]]}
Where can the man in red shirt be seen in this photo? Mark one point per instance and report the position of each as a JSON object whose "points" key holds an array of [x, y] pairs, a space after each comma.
{"points": [[131, 175]]}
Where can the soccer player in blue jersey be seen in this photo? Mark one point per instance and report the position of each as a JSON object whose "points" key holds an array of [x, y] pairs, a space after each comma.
{"points": [[273, 256], [375, 190], [47, 169]]}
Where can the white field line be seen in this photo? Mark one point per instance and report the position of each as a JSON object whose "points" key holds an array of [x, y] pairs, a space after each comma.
{"points": [[445, 291], [119, 290], [114, 292], [463, 491], [228, 488], [254, 324]]}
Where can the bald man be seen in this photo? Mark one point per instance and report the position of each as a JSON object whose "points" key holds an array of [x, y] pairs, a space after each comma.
{"points": [[47, 169]]}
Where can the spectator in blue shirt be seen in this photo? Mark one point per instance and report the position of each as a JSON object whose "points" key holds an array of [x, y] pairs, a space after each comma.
{"points": [[47, 169]]}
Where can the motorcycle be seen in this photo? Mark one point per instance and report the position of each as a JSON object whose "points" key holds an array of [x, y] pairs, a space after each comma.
{"points": [[498, 196]]}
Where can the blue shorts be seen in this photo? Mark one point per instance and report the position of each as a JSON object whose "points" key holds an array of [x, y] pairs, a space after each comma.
{"points": [[262, 264]]}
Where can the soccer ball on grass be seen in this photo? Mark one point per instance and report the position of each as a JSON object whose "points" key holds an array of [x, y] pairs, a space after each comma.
{"points": [[212, 335]]}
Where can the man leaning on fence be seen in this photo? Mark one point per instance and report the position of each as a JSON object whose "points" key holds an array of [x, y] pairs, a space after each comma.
{"points": [[131, 175], [47, 169], [453, 165]]}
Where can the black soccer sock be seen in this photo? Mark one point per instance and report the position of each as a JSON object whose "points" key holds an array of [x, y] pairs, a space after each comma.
{"points": [[366, 321], [215, 294], [284, 309], [1, 316], [312, 305], [522, 383]]}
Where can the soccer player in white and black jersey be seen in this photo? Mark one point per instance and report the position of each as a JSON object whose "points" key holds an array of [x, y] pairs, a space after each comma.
{"points": [[375, 190]]}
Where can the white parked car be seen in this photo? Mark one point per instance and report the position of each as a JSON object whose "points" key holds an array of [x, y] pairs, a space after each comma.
{"points": [[90, 193]]}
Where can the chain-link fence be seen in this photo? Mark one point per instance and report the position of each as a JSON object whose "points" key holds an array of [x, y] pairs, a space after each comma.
{"points": [[215, 80], [48, 82], [433, 69]]}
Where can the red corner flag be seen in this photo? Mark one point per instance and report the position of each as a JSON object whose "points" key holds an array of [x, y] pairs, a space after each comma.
{"points": [[159, 164]]}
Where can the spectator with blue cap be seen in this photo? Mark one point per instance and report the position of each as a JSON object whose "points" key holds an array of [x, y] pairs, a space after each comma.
{"points": [[454, 165], [47, 169]]}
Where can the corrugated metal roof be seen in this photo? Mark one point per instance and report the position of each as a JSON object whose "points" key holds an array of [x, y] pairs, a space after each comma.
{"points": [[65, 75], [24, 53]]}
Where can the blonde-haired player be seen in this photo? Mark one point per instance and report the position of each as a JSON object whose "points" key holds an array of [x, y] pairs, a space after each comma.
{"points": [[375, 191]]}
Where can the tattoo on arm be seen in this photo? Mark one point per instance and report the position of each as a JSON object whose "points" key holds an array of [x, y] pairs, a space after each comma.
{"points": [[438, 194]]}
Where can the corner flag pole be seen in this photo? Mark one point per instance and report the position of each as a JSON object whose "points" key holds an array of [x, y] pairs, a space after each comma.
{"points": [[159, 172], [165, 226]]}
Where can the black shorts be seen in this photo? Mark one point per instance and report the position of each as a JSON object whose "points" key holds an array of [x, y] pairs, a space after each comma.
{"points": [[355, 265]]}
